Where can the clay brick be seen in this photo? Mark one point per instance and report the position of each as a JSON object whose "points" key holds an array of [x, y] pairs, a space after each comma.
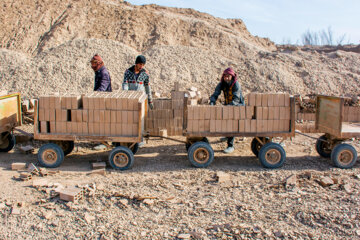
{"points": [[212, 112], [242, 112], [276, 99], [52, 116], [212, 125], [91, 115], [71, 194], [251, 97], [57, 102], [288, 113], [219, 113], [196, 113], [282, 113], [52, 127], [276, 126], [271, 113], [249, 112], [135, 116], [41, 114], [97, 128], [225, 113], [258, 99], [58, 115], [284, 125], [231, 112], [259, 113], [124, 117], [190, 113], [236, 111], [229, 125], [253, 125], [51, 100], [43, 127], [190, 126], [270, 100], [265, 113], [91, 128], [79, 116], [247, 125], [91, 103], [46, 114], [130, 115], [235, 125], [282, 100], [241, 126], [270, 125], [286, 100], [207, 125], [218, 125], [201, 125], [74, 127], [75, 102], [276, 113], [207, 112], [85, 115], [96, 116], [196, 126], [101, 116], [259, 125], [264, 100], [85, 128], [18, 166]]}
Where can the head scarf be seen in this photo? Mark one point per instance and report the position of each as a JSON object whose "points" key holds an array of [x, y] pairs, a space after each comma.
{"points": [[98, 61], [231, 72]]}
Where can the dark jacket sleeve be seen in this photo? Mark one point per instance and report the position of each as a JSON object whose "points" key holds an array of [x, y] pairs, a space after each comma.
{"points": [[216, 93], [148, 88], [125, 84], [104, 81], [238, 98]]}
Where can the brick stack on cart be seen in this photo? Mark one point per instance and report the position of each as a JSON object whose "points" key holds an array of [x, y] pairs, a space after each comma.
{"points": [[265, 116], [116, 117]]}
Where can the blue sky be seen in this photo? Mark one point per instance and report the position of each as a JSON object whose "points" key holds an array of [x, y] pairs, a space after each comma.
{"points": [[282, 21]]}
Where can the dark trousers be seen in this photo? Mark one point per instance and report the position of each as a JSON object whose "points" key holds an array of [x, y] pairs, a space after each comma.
{"points": [[230, 141]]}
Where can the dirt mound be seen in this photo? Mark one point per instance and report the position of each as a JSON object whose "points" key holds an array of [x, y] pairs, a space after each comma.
{"points": [[47, 49]]}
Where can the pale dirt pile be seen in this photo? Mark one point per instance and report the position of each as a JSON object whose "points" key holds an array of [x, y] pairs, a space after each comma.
{"points": [[45, 47]]}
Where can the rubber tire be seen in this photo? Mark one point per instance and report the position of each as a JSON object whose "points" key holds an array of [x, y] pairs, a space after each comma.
{"points": [[336, 152], [320, 148], [134, 149], [196, 146], [254, 145], [59, 153], [125, 150], [264, 149], [11, 140], [70, 147], [187, 145]]}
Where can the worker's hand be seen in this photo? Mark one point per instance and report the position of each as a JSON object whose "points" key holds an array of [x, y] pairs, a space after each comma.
{"points": [[212, 103], [151, 106]]}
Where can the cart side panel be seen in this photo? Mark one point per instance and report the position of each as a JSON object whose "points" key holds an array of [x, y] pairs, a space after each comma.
{"points": [[329, 115], [10, 112]]}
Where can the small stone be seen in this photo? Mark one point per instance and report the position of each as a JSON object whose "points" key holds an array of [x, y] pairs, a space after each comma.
{"points": [[194, 89], [143, 234], [124, 202], [98, 171], [55, 223], [89, 218], [222, 177], [347, 188], [357, 232], [157, 95], [40, 183], [149, 201], [326, 181], [278, 234], [290, 182], [15, 211], [2, 206], [184, 236], [48, 215]]}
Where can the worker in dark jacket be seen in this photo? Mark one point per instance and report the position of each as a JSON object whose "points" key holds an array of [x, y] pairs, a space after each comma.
{"points": [[232, 94], [102, 76], [137, 78]]}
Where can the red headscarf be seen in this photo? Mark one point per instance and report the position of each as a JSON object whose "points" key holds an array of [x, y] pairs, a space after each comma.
{"points": [[96, 62], [229, 71]]}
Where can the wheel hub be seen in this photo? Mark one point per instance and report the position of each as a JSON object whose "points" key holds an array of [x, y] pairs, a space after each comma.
{"points": [[273, 156], [201, 155], [121, 159], [346, 157], [49, 156]]}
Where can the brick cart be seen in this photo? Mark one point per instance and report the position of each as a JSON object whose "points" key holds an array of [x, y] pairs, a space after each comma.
{"points": [[339, 123], [116, 117], [10, 117], [266, 117]]}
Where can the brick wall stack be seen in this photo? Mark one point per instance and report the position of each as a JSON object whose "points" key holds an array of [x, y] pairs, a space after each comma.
{"points": [[351, 114], [268, 112], [98, 113], [167, 114]]}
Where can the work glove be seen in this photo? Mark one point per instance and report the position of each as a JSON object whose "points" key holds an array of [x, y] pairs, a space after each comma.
{"points": [[151, 106], [212, 103]]}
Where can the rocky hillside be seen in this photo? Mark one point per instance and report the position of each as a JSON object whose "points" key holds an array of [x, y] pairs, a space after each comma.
{"points": [[46, 47]]}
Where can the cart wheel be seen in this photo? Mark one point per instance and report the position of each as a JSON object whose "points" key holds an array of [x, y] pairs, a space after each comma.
{"points": [[272, 155], [323, 148], [7, 142], [187, 145], [121, 158], [50, 155], [256, 145], [344, 156], [134, 149], [201, 154], [67, 146]]}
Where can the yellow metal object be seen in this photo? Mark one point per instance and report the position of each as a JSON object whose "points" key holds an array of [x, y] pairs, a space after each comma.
{"points": [[10, 112]]}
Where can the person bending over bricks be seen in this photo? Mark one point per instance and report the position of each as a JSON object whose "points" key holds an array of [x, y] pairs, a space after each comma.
{"points": [[232, 94], [136, 78], [102, 75]]}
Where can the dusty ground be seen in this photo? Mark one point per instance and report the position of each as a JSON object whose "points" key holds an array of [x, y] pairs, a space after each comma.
{"points": [[188, 201]]}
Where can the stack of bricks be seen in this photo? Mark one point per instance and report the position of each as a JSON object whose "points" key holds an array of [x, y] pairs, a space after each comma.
{"points": [[167, 114], [351, 114], [98, 113], [263, 113]]}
